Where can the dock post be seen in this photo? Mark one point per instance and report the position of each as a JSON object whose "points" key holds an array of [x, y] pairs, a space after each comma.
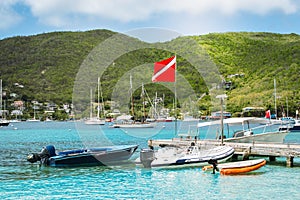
{"points": [[150, 145], [290, 161], [246, 153], [272, 158]]}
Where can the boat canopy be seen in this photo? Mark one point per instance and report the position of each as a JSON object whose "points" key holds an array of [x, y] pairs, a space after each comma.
{"points": [[234, 120]]}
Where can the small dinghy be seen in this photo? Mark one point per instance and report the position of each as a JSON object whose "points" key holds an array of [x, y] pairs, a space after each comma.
{"points": [[233, 168], [171, 157]]}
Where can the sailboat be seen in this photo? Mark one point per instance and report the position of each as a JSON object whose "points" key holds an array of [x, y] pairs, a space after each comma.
{"points": [[3, 121], [95, 120], [129, 121], [34, 119]]}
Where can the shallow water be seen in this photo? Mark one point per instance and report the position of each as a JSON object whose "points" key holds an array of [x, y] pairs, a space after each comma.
{"points": [[23, 180]]}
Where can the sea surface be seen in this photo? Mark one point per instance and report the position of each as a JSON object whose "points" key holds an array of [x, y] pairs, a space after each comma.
{"points": [[20, 179]]}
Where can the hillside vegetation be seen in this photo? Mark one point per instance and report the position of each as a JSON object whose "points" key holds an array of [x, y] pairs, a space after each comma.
{"points": [[261, 57], [47, 65]]}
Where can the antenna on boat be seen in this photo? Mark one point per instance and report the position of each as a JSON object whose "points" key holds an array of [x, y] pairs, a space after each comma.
{"points": [[222, 97]]}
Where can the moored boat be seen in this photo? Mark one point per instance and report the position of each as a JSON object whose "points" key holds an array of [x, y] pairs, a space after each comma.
{"points": [[4, 122], [183, 157], [239, 167], [126, 121], [291, 127], [82, 157], [96, 120], [132, 124], [246, 133]]}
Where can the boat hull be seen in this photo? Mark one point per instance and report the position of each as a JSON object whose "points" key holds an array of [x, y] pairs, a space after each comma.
{"points": [[84, 157], [4, 123], [240, 167], [247, 134], [96, 156], [174, 157], [295, 128], [150, 125], [95, 122], [274, 137]]}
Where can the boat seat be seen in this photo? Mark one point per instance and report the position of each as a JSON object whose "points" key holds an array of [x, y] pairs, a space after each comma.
{"points": [[76, 151], [242, 133]]}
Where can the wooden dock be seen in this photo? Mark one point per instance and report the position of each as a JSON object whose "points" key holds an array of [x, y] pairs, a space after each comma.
{"points": [[271, 150]]}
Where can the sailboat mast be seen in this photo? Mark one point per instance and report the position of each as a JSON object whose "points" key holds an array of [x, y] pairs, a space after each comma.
{"points": [[143, 97], [98, 97], [287, 107], [103, 105], [91, 104], [34, 110], [275, 97], [131, 93]]}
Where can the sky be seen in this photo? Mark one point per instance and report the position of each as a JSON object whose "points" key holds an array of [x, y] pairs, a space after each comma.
{"points": [[188, 17]]}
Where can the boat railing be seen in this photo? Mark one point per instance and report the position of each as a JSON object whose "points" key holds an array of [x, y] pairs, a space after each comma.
{"points": [[191, 132], [264, 128]]}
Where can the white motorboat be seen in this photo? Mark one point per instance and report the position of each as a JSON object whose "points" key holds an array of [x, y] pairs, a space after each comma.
{"points": [[247, 133], [182, 157], [291, 127]]}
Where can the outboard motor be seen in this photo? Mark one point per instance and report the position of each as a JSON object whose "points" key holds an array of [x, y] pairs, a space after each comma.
{"points": [[33, 157], [147, 156], [43, 157]]}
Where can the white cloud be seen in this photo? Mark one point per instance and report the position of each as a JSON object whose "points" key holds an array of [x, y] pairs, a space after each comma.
{"points": [[8, 17], [185, 16], [58, 13]]}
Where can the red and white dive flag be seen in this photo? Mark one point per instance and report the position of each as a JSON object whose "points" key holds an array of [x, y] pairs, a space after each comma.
{"points": [[164, 71], [268, 114]]}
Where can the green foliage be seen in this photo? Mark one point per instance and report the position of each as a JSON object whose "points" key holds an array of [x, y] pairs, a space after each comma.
{"points": [[261, 57], [47, 65]]}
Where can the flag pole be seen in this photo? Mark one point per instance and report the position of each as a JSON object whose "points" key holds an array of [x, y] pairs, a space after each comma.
{"points": [[175, 95], [163, 74]]}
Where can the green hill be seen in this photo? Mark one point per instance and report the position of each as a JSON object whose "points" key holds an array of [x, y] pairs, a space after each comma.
{"points": [[261, 57], [47, 64]]}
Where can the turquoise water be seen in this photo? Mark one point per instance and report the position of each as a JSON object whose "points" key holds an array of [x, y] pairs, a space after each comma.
{"points": [[23, 180]]}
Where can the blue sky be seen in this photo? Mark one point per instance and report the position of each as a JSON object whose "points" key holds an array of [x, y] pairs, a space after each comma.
{"points": [[189, 17]]}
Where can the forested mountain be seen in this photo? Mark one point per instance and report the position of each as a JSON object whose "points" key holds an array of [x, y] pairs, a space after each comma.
{"points": [[47, 64], [261, 57]]}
